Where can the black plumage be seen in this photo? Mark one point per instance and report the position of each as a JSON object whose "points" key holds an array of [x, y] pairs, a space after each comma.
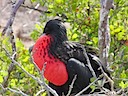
{"points": [[72, 54]]}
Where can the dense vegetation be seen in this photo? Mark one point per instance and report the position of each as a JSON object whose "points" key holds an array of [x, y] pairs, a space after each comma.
{"points": [[83, 17]]}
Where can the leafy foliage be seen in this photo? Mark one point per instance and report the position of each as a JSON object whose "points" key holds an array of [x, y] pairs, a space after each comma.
{"points": [[18, 79], [83, 17]]}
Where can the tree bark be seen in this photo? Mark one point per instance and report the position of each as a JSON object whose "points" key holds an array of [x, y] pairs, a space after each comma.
{"points": [[104, 31]]}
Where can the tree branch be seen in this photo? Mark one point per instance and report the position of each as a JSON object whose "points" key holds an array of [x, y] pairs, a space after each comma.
{"points": [[18, 91], [15, 7], [36, 9], [88, 62], [11, 66], [104, 31], [78, 94], [41, 82], [71, 86], [109, 79]]}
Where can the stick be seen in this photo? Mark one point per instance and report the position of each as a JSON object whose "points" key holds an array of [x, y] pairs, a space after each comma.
{"points": [[78, 94], [11, 67], [89, 64], [18, 91], [71, 86]]}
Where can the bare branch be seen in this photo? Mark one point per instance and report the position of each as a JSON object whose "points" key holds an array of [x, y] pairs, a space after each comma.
{"points": [[18, 91], [48, 88], [2, 59], [109, 79], [71, 86], [89, 64], [13, 45], [12, 16], [78, 94], [42, 83], [42, 78], [104, 31], [39, 92]]}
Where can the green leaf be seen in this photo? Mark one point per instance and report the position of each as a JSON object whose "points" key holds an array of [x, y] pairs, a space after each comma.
{"points": [[59, 1], [95, 40], [4, 73], [26, 59], [1, 79], [123, 85], [92, 79], [111, 27], [120, 35], [44, 94], [33, 1], [74, 36], [93, 87], [19, 43], [13, 82], [123, 74], [89, 42]]}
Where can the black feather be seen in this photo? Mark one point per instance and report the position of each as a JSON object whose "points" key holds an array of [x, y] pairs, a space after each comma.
{"points": [[72, 54]]}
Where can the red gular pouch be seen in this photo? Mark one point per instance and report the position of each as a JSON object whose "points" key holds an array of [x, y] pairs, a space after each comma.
{"points": [[55, 70]]}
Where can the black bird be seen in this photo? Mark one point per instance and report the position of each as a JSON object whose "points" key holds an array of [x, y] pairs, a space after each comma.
{"points": [[64, 60]]}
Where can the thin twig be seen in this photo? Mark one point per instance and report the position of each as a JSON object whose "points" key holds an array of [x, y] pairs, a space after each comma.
{"points": [[48, 88], [39, 92], [34, 8], [12, 39], [124, 79], [78, 94], [42, 77], [2, 59], [71, 86], [117, 10], [18, 91], [108, 78], [41, 82], [89, 64]]}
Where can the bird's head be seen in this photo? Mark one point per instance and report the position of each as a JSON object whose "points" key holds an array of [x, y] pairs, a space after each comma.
{"points": [[55, 28]]}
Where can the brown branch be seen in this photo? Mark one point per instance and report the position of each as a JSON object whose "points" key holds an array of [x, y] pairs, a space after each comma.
{"points": [[8, 28], [39, 10], [104, 31], [11, 66], [15, 7]]}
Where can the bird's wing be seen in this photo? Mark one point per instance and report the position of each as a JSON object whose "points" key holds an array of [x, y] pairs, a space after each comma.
{"points": [[75, 50]]}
